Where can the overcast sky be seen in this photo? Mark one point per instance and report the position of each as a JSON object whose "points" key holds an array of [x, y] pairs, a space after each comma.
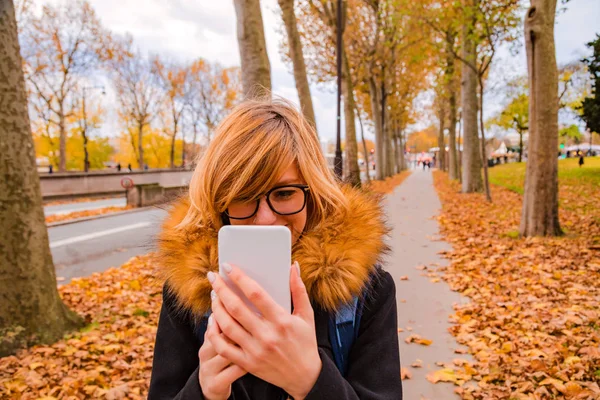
{"points": [[187, 29]]}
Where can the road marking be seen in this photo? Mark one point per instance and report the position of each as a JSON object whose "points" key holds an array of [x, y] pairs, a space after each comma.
{"points": [[94, 235]]}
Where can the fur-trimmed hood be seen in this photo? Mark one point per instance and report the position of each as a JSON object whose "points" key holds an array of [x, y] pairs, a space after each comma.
{"points": [[336, 257]]}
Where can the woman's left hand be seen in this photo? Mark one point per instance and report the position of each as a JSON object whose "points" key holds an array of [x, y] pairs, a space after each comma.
{"points": [[278, 346]]}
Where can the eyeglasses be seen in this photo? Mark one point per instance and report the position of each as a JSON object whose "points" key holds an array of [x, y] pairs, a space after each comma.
{"points": [[282, 200]]}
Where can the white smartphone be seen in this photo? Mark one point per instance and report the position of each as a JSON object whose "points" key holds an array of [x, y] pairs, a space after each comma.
{"points": [[264, 253]]}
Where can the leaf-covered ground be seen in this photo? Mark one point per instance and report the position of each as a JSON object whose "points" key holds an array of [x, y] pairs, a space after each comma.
{"points": [[85, 213], [76, 200], [533, 324], [112, 357]]}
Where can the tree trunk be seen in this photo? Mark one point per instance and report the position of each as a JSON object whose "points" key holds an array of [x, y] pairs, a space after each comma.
{"points": [[384, 134], [31, 310], [458, 148], [451, 88], [540, 200], [364, 143], [353, 176], [172, 158], [389, 154], [484, 159], [183, 148], [62, 141], [397, 167], [379, 153], [289, 20], [256, 70], [441, 142], [401, 146], [520, 145], [194, 138], [471, 160], [140, 145], [86, 158]]}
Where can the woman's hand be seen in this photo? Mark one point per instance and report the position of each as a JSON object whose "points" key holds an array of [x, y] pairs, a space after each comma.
{"points": [[217, 373], [278, 347]]}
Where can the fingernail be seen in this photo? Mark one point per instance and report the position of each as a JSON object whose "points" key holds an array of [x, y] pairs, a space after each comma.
{"points": [[297, 267], [227, 267], [211, 276], [213, 295], [210, 320]]}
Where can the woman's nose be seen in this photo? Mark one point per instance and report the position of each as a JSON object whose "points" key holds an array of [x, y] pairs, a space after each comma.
{"points": [[264, 215]]}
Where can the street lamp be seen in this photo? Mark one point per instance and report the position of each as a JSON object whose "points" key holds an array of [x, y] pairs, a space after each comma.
{"points": [[84, 126], [338, 146]]}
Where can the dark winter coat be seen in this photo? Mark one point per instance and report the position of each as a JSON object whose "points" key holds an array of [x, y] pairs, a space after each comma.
{"points": [[337, 260]]}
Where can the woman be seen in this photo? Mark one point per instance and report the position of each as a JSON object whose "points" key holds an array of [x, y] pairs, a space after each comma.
{"points": [[338, 238]]}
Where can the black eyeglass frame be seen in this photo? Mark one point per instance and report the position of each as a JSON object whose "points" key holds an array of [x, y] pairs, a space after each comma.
{"points": [[305, 189]]}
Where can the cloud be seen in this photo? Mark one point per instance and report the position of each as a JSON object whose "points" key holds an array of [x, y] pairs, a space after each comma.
{"points": [[188, 29]]}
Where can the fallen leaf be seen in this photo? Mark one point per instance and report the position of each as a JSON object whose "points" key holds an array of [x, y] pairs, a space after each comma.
{"points": [[405, 373]]}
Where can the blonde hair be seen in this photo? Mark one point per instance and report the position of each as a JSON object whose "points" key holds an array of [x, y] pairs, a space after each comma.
{"points": [[251, 149]]}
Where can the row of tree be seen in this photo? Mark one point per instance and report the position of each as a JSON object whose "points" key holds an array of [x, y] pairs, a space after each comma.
{"points": [[67, 52], [576, 88], [392, 50]]}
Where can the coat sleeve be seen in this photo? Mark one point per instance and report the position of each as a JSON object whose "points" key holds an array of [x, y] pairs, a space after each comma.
{"points": [[175, 365], [374, 364]]}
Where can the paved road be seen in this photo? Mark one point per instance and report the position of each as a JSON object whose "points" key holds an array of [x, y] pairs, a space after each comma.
{"points": [[89, 205], [422, 305], [83, 248]]}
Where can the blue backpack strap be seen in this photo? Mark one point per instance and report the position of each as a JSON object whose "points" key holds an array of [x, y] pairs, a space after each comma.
{"points": [[343, 330]]}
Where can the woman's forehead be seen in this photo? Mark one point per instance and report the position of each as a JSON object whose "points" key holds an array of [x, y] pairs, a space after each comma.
{"points": [[290, 175]]}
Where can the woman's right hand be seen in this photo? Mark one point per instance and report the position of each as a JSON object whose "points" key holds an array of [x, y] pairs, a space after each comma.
{"points": [[217, 373]]}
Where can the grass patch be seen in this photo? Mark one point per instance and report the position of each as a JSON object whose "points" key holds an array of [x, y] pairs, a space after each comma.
{"points": [[511, 234], [512, 176], [578, 187], [90, 327], [141, 313]]}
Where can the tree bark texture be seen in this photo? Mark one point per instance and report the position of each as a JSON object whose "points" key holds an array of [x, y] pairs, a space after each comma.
{"points": [[453, 169], [484, 159], [471, 161], [31, 310], [365, 150], [141, 144], [62, 142], [401, 147], [379, 147], [441, 161], [520, 145], [388, 156], [353, 176], [540, 200], [289, 20], [256, 70], [389, 143]]}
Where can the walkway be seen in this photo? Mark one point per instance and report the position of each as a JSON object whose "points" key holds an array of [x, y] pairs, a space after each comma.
{"points": [[423, 305]]}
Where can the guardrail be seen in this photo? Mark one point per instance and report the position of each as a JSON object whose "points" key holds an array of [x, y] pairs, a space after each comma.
{"points": [[102, 183]]}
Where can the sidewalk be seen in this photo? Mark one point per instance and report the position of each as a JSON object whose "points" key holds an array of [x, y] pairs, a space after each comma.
{"points": [[423, 305]]}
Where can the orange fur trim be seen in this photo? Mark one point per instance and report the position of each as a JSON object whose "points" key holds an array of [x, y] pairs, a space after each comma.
{"points": [[336, 257]]}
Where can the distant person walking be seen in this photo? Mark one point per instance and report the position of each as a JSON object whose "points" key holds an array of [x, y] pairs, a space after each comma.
{"points": [[129, 167], [119, 167], [580, 159], [50, 169]]}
